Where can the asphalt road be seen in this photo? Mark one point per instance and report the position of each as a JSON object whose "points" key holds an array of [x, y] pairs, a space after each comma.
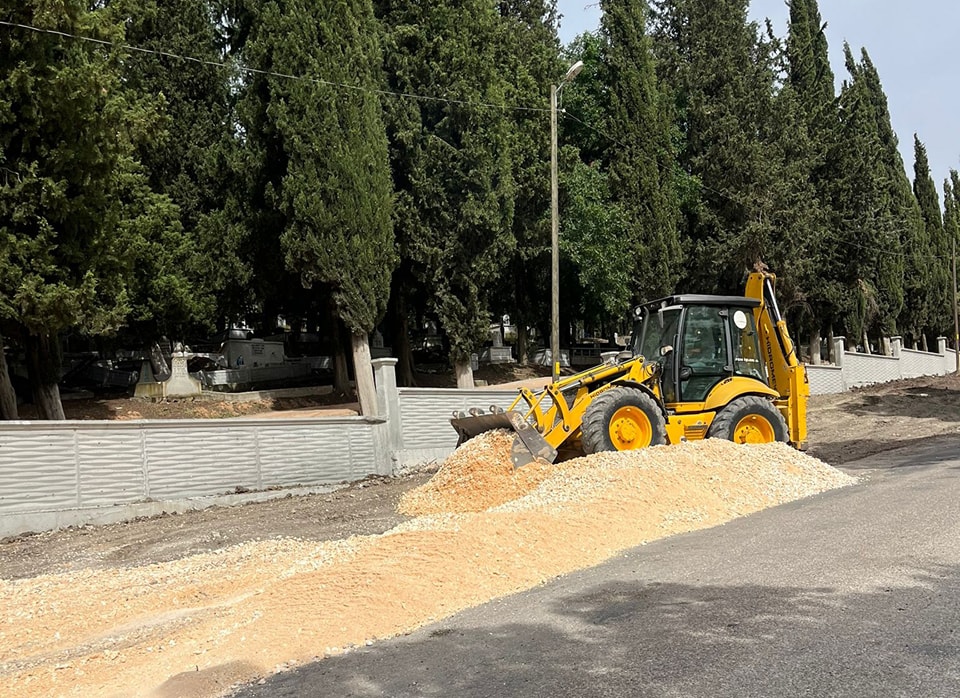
{"points": [[852, 593]]}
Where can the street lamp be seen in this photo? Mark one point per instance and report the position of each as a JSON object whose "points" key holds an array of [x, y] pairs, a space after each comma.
{"points": [[555, 221]]}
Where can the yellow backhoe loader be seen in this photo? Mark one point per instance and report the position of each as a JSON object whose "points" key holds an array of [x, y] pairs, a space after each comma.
{"points": [[698, 367]]}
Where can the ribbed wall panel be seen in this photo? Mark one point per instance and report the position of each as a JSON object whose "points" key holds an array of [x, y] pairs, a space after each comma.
{"points": [[866, 369], [825, 380], [918, 363], [200, 461], [308, 455], [425, 413], [38, 470], [111, 466]]}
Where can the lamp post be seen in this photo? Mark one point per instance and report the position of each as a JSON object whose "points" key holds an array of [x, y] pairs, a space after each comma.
{"points": [[555, 221]]}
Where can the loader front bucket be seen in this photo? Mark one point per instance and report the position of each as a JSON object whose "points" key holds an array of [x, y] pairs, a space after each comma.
{"points": [[528, 445]]}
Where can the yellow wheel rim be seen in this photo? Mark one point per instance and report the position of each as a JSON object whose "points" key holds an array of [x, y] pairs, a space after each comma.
{"points": [[630, 428], [754, 429]]}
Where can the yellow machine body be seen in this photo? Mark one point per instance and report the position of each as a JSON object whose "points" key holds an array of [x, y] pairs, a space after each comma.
{"points": [[740, 407]]}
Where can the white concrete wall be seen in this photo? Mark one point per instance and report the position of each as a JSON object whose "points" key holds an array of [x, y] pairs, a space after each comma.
{"points": [[93, 471], [425, 413], [866, 369], [825, 380], [914, 364], [66, 473]]}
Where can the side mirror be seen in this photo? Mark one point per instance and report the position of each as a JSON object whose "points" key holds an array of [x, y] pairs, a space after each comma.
{"points": [[666, 349]]}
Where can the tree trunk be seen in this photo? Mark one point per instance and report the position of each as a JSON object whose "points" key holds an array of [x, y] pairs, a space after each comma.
{"points": [[464, 373], [8, 397], [866, 343], [400, 329], [815, 357], [44, 376], [923, 341], [341, 377], [831, 347], [363, 371], [522, 341]]}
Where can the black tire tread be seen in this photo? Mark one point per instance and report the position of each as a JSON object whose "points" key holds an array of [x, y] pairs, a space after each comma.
{"points": [[723, 423], [595, 427]]}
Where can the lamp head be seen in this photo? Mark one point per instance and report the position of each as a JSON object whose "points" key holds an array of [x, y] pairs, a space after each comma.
{"points": [[573, 72]]}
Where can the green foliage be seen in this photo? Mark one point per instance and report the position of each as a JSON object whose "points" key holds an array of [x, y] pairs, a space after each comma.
{"points": [[927, 272], [187, 160], [590, 239], [722, 75], [529, 53], [808, 97], [76, 216], [322, 150], [643, 173], [452, 163]]}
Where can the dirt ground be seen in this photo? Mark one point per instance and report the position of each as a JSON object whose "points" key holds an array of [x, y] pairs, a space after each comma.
{"points": [[843, 428]]}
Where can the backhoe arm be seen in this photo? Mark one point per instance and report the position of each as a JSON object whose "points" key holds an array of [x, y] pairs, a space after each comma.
{"points": [[787, 375]]}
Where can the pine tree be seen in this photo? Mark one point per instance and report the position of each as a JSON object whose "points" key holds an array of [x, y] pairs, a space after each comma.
{"points": [[333, 193], [75, 210], [643, 174]]}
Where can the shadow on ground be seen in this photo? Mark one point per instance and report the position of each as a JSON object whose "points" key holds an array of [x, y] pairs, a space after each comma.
{"points": [[642, 638]]}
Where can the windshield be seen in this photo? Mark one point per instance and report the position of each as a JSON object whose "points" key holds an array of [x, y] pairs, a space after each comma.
{"points": [[647, 342]]}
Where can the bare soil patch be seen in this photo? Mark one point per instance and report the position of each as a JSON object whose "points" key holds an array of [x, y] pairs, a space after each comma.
{"points": [[863, 422]]}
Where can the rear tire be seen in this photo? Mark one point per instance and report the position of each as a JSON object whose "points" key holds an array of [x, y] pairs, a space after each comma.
{"points": [[622, 419], [749, 420]]}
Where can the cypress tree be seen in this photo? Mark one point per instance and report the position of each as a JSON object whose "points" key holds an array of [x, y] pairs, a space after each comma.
{"points": [[871, 275], [906, 218], [810, 79], [643, 174], [529, 54], [451, 160], [333, 193], [951, 233], [723, 74], [76, 213], [928, 262], [192, 159]]}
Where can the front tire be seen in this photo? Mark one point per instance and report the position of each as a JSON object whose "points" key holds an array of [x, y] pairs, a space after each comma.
{"points": [[622, 419], [749, 420]]}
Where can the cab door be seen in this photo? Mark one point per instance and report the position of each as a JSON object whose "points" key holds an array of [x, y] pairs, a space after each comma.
{"points": [[704, 351]]}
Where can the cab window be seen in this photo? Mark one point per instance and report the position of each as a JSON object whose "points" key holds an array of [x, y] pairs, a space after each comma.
{"points": [[704, 354], [747, 360]]}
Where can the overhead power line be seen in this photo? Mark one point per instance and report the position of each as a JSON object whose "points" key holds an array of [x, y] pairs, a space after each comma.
{"points": [[388, 93], [272, 73]]}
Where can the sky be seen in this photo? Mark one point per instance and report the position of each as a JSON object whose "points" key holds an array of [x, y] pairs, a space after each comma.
{"points": [[912, 44]]}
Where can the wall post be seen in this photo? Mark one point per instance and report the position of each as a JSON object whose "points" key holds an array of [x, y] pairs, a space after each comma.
{"points": [[896, 346], [388, 407], [838, 349]]}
